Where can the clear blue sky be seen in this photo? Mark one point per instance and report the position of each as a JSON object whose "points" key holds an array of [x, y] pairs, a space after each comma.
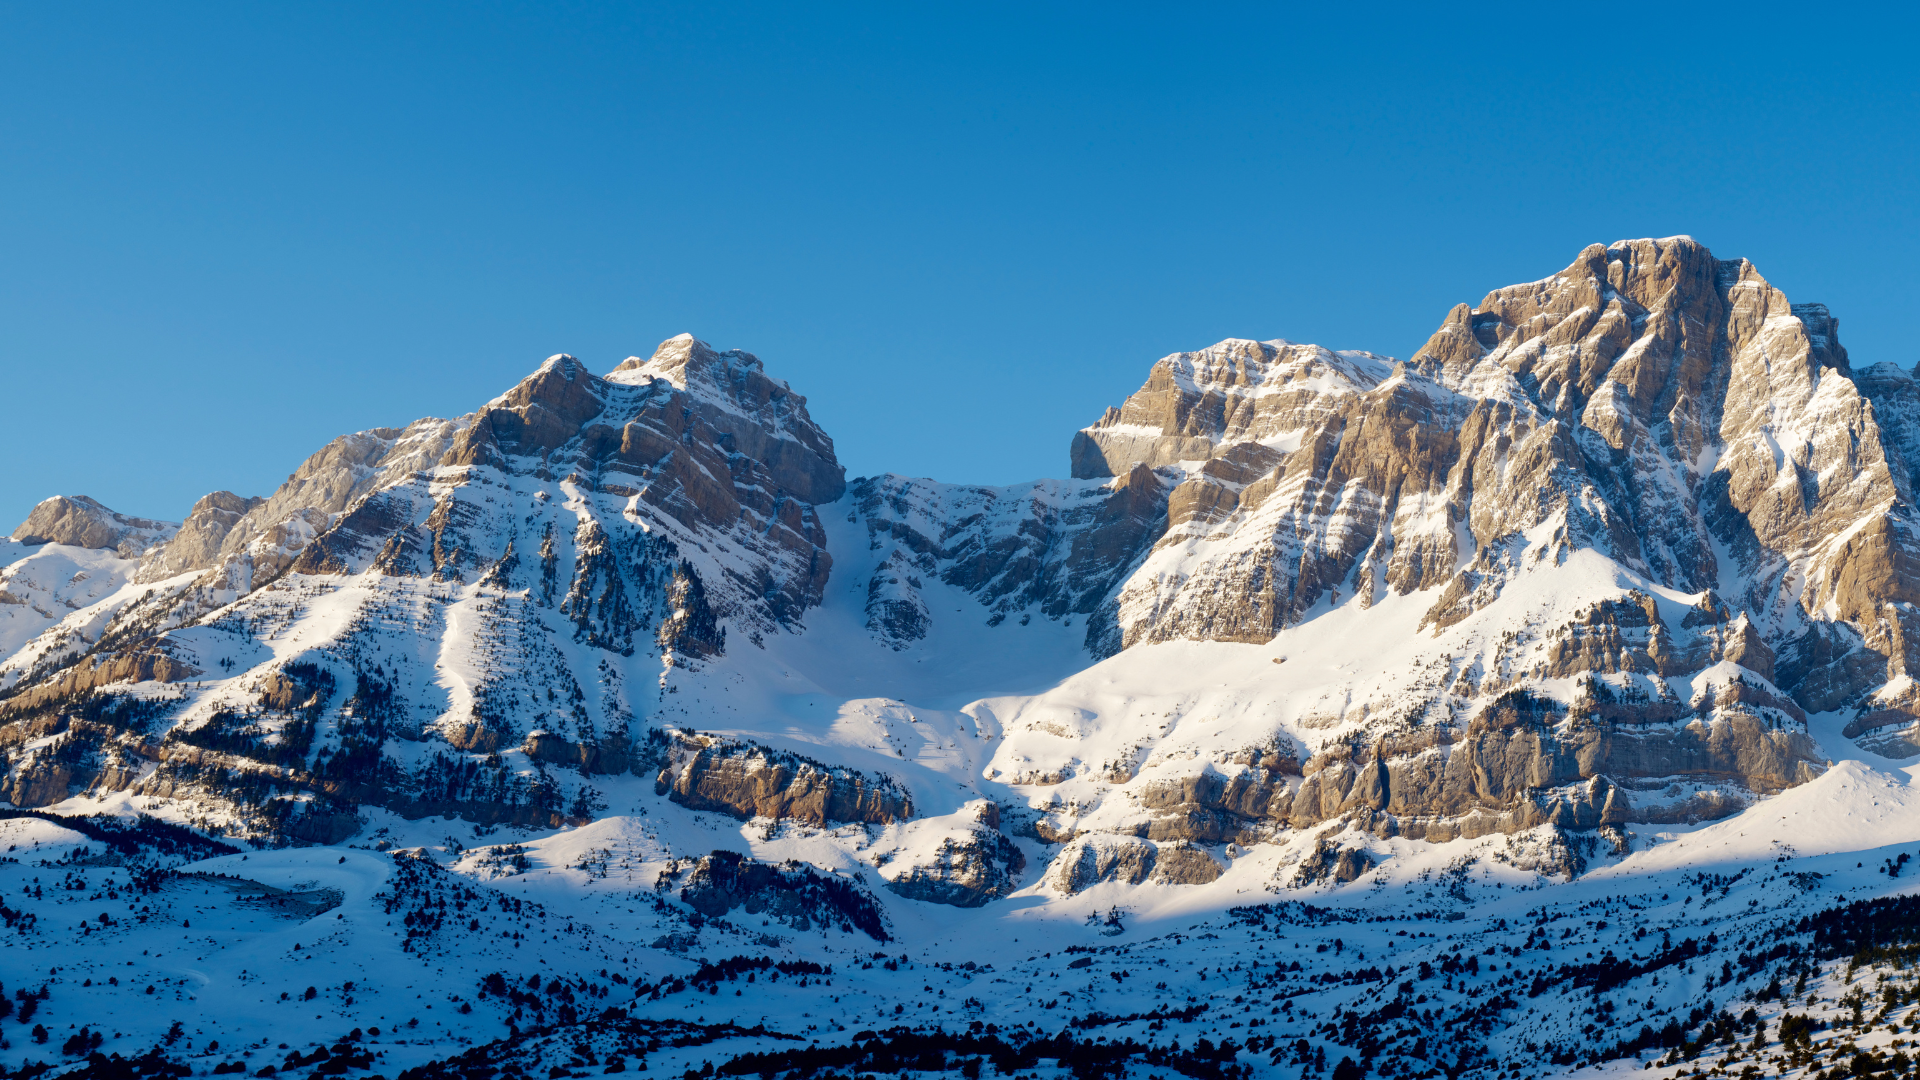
{"points": [[229, 233]]}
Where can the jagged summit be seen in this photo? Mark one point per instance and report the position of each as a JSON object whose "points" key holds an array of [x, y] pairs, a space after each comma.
{"points": [[79, 521], [1237, 403]]}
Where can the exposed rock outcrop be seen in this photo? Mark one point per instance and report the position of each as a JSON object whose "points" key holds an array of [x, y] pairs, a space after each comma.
{"points": [[269, 533], [1330, 862], [1098, 858], [967, 868], [697, 446], [1054, 548], [969, 872], [139, 664], [610, 756], [749, 781], [200, 540], [42, 783], [793, 894], [1521, 763], [81, 522], [1184, 864], [1215, 808]]}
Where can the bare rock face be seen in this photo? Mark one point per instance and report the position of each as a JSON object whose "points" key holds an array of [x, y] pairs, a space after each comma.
{"points": [[1895, 394], [1521, 763], [1054, 548], [260, 543], [1332, 863], [201, 538], [969, 872], [721, 463], [1184, 864], [1285, 463], [81, 522], [39, 784], [750, 781], [791, 893], [611, 756], [1214, 808], [143, 663], [1097, 858], [1243, 403], [723, 387]]}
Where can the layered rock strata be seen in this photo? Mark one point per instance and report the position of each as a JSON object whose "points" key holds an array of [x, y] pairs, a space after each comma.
{"points": [[78, 521], [1719, 503], [643, 514], [749, 781]]}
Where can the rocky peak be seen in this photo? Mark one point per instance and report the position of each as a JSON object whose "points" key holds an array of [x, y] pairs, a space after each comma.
{"points": [[1560, 336], [543, 412], [267, 537], [1648, 478], [753, 414], [79, 521], [626, 472], [682, 360], [1667, 408], [1246, 403], [197, 545]]}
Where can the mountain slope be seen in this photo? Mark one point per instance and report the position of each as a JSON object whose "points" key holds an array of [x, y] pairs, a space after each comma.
{"points": [[1615, 553]]}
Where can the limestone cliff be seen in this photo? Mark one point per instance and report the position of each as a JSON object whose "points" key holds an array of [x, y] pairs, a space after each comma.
{"points": [[572, 524], [78, 521], [1615, 546]]}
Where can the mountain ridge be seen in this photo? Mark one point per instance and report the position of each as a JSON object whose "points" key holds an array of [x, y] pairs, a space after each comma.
{"points": [[1616, 553]]}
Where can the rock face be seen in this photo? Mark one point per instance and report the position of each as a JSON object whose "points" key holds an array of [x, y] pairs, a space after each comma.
{"points": [[1331, 863], [792, 893], [1054, 548], [969, 873], [573, 524], [81, 522], [1094, 860], [676, 437], [749, 781], [39, 784], [1245, 404], [271, 534], [201, 538], [1522, 763], [970, 868], [1599, 553], [1179, 864], [1210, 807]]}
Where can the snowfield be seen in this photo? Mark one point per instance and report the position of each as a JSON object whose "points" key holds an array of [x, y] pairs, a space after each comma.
{"points": [[259, 954]]}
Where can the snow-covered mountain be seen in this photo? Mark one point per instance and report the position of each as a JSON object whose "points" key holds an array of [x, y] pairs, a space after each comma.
{"points": [[1345, 699]]}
